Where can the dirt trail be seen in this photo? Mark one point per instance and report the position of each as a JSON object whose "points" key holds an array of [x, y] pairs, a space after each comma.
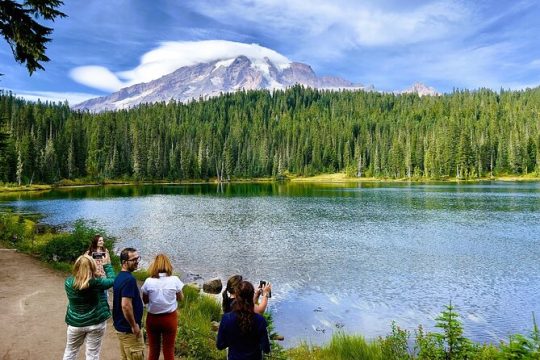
{"points": [[32, 309]]}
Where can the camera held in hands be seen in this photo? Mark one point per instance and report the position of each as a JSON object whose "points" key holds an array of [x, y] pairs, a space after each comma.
{"points": [[98, 255], [262, 284]]}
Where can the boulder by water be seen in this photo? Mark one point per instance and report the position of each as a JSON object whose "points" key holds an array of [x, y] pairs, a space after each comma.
{"points": [[213, 286]]}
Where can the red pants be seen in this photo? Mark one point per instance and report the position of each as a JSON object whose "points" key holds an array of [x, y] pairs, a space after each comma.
{"points": [[161, 327]]}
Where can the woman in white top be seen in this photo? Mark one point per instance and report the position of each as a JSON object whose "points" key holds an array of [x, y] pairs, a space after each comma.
{"points": [[161, 292]]}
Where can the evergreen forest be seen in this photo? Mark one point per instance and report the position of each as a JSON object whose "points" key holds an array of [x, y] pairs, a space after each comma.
{"points": [[298, 131]]}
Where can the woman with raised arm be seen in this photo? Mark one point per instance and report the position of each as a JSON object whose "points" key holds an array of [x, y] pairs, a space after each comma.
{"points": [[229, 295], [242, 330], [161, 292], [87, 310], [260, 299], [98, 251]]}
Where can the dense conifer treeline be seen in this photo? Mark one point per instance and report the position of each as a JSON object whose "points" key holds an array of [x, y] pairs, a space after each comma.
{"points": [[259, 133]]}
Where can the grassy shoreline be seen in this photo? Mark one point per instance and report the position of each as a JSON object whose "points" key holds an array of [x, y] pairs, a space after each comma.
{"points": [[343, 178], [337, 178]]}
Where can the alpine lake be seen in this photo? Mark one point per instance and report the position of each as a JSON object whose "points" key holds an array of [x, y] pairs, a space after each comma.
{"points": [[340, 257]]}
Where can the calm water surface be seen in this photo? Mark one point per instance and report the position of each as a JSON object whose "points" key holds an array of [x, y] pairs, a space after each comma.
{"points": [[353, 257]]}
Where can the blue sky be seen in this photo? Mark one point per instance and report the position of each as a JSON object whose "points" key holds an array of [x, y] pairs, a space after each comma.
{"points": [[105, 44]]}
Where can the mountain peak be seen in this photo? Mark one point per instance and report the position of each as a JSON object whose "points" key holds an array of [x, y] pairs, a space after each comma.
{"points": [[242, 59], [214, 78], [420, 89]]}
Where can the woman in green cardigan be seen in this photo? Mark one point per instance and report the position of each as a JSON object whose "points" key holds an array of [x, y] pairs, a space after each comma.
{"points": [[87, 310]]}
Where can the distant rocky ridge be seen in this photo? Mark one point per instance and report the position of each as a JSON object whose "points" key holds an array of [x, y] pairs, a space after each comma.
{"points": [[420, 89], [211, 79]]}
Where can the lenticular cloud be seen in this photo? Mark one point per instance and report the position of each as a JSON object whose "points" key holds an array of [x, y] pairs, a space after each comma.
{"points": [[168, 57]]}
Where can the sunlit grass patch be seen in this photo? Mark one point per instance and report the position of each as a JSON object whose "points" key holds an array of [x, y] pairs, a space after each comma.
{"points": [[196, 339]]}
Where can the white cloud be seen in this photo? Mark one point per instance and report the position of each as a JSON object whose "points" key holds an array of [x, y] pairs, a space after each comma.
{"points": [[535, 63], [518, 85], [366, 23], [470, 67], [96, 77], [51, 96], [168, 57], [429, 22]]}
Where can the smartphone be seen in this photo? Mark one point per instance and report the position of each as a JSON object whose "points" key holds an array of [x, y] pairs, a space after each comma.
{"points": [[98, 255], [262, 283]]}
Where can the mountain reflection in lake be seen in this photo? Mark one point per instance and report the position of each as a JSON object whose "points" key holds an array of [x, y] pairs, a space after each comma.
{"points": [[350, 256]]}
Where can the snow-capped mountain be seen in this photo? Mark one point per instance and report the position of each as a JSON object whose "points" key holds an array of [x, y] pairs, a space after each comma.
{"points": [[205, 80], [420, 89]]}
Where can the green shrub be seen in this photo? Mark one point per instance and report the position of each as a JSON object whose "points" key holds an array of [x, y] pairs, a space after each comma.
{"points": [[12, 228], [351, 171], [61, 248], [428, 347], [276, 350], [140, 275], [18, 231], [395, 346], [523, 347], [67, 247], [487, 352], [196, 339]]}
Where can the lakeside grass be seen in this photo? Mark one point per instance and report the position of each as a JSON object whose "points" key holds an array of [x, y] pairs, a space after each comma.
{"points": [[196, 338], [344, 178], [330, 178], [340, 346], [10, 188]]}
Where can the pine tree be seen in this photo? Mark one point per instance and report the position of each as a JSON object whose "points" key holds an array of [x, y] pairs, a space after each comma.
{"points": [[49, 164], [26, 37], [19, 167], [71, 160], [457, 346]]}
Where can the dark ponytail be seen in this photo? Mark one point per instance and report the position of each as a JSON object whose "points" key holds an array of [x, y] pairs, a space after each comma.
{"points": [[232, 283], [226, 303], [244, 307]]}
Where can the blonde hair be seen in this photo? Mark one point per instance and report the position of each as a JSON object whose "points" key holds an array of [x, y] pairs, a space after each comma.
{"points": [[83, 271], [161, 264]]}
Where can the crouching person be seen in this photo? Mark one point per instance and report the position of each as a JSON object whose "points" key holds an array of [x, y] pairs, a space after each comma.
{"points": [[87, 310], [242, 330], [128, 307]]}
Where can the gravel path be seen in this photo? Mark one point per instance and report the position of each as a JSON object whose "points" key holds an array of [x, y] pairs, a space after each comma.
{"points": [[33, 306]]}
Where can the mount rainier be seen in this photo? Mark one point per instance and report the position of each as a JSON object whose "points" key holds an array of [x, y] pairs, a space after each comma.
{"points": [[210, 79]]}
